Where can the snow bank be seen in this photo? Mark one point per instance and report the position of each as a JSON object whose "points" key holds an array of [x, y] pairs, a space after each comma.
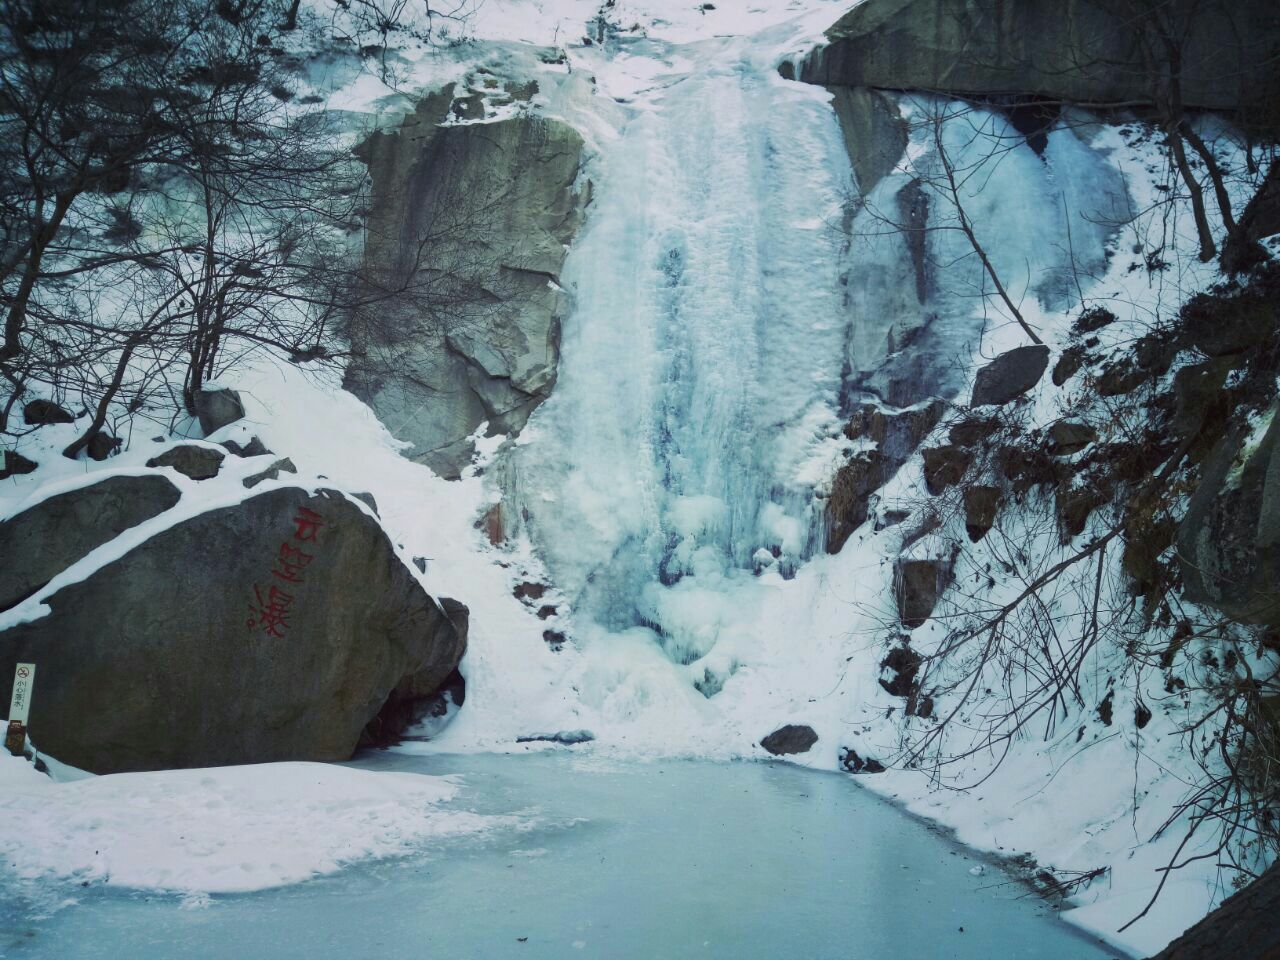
{"points": [[219, 830]]}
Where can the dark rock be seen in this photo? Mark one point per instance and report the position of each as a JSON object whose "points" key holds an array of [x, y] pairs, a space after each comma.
{"points": [[1070, 436], [566, 737], [904, 664], [1154, 355], [554, 639], [419, 694], [793, 738], [191, 460], [874, 131], [313, 622], [254, 448], [1229, 539], [40, 413], [1244, 926], [891, 518], [1077, 51], [917, 587], [102, 445], [1106, 707], [944, 466], [1068, 365], [1197, 389], [1073, 505], [972, 431], [853, 763], [1141, 715], [1028, 467], [1009, 375], [46, 538], [546, 611], [1093, 320], [1225, 323], [896, 435], [15, 465], [366, 498], [1118, 379], [272, 472], [530, 591], [216, 407], [981, 503], [420, 563]]}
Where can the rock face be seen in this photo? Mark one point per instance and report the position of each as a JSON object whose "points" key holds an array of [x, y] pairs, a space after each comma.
{"points": [[1229, 540], [216, 407], [1074, 50], [191, 460], [489, 208], [39, 413], [918, 584], [895, 435], [1243, 926], [874, 131], [793, 738], [1010, 375], [274, 629], [43, 540]]}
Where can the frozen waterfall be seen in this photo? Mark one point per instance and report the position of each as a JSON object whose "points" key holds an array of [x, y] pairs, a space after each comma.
{"points": [[702, 364]]}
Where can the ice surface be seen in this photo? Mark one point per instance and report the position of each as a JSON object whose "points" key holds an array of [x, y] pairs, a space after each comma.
{"points": [[627, 862]]}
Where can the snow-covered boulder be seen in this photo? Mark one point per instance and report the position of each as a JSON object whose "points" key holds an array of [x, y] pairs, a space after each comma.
{"points": [[271, 629], [41, 541]]}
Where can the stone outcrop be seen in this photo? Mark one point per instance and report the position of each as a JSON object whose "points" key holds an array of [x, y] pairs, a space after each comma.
{"points": [[894, 435], [274, 629], [918, 585], [1229, 540], [43, 540], [1081, 51], [1243, 926], [471, 222], [875, 134]]}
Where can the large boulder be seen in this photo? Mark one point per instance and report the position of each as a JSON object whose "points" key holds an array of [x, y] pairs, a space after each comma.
{"points": [[43, 540], [216, 407], [1080, 51], [1229, 539], [469, 225], [274, 629], [1009, 375]]}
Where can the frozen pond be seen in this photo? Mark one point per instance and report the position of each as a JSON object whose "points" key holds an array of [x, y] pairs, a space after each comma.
{"points": [[625, 862]]}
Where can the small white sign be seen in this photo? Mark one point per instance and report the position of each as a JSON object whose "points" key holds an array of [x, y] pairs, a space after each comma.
{"points": [[24, 678]]}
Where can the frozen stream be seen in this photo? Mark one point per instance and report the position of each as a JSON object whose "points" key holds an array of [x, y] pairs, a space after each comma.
{"points": [[620, 861]]}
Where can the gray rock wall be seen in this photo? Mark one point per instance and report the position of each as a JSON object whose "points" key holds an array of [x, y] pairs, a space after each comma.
{"points": [[1083, 51], [472, 221]]}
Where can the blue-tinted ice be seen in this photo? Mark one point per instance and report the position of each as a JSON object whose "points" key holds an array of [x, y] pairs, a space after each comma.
{"points": [[640, 861]]}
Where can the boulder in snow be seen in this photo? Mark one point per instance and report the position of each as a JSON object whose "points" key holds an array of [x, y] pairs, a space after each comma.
{"points": [[793, 738], [216, 407], [273, 629], [40, 413], [918, 584], [1009, 375], [191, 460], [43, 540]]}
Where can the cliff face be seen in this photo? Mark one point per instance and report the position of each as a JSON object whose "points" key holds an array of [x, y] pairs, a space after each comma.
{"points": [[468, 229], [1083, 51]]}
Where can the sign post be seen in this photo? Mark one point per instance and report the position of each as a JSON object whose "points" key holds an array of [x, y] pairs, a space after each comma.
{"points": [[24, 679]]}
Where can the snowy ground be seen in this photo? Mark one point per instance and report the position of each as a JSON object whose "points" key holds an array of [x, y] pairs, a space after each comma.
{"points": [[220, 830], [803, 650]]}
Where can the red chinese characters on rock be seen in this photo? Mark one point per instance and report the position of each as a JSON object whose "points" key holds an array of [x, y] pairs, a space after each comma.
{"points": [[271, 607]]}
